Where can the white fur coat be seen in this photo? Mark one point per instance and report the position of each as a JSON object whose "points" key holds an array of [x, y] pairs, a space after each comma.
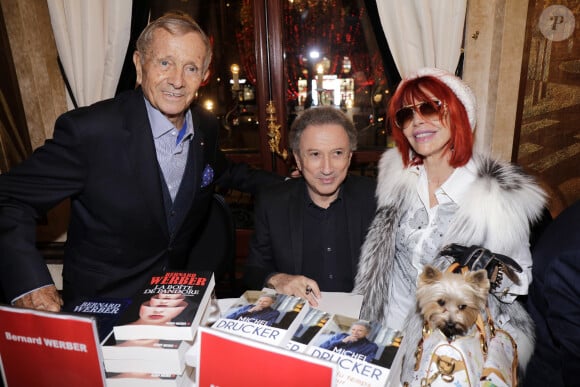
{"points": [[503, 204]]}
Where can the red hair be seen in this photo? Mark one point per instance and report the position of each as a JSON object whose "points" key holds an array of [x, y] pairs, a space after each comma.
{"points": [[416, 90]]}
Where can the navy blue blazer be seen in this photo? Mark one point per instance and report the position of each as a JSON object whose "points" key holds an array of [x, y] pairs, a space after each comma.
{"points": [[554, 303], [121, 229], [277, 243]]}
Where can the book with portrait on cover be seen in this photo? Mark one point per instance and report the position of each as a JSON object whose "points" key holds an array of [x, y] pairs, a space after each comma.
{"points": [[169, 307], [363, 350], [264, 316]]}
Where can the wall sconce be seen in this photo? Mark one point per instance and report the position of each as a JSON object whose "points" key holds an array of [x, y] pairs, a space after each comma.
{"points": [[235, 69], [208, 105]]}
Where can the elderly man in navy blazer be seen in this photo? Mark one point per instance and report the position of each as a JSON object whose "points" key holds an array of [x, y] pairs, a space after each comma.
{"points": [[308, 231], [139, 170]]}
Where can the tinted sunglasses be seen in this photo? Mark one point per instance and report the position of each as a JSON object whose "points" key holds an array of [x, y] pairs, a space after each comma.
{"points": [[404, 115]]}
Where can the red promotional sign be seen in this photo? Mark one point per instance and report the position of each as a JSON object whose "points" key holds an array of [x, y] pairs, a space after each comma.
{"points": [[231, 361], [49, 349]]}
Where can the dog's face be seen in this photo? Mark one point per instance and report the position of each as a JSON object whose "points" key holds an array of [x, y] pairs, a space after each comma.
{"points": [[451, 302]]}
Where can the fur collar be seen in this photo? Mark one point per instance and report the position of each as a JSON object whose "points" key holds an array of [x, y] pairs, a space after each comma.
{"points": [[503, 193]]}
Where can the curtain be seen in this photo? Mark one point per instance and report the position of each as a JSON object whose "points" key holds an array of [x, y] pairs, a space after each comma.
{"points": [[91, 38], [423, 33]]}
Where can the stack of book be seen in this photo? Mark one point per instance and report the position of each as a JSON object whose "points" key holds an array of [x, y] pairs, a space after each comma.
{"points": [[363, 351], [151, 337]]}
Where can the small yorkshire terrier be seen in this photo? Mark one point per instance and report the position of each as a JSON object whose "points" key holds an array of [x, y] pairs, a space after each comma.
{"points": [[451, 302]]}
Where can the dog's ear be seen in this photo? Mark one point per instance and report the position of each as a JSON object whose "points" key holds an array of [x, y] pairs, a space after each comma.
{"points": [[478, 279], [429, 275]]}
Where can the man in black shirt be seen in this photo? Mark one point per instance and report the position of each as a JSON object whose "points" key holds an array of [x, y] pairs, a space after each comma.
{"points": [[309, 230]]}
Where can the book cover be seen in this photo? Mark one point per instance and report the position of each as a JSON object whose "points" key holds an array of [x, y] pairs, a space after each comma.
{"points": [[363, 350], [144, 379], [48, 349], [170, 307], [106, 312], [250, 363], [145, 355], [263, 316]]}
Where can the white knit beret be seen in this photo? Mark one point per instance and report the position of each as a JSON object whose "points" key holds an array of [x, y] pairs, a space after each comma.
{"points": [[459, 88]]}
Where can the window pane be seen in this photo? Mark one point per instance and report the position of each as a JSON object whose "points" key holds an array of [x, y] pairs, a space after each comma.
{"points": [[332, 58]]}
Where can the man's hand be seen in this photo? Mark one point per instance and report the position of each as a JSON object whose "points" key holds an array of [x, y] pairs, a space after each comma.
{"points": [[255, 308], [349, 339], [296, 285], [45, 298]]}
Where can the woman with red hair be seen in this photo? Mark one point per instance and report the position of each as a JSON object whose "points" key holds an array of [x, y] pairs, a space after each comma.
{"points": [[434, 190]]}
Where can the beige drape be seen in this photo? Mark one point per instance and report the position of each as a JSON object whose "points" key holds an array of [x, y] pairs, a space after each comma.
{"points": [[423, 33], [92, 38]]}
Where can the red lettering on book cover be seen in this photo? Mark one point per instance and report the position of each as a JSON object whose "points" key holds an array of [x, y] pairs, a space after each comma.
{"points": [[179, 279]]}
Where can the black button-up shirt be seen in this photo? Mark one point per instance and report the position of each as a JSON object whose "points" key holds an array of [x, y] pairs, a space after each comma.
{"points": [[326, 258]]}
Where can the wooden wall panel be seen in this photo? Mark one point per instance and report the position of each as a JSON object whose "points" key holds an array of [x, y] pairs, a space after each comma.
{"points": [[33, 49]]}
